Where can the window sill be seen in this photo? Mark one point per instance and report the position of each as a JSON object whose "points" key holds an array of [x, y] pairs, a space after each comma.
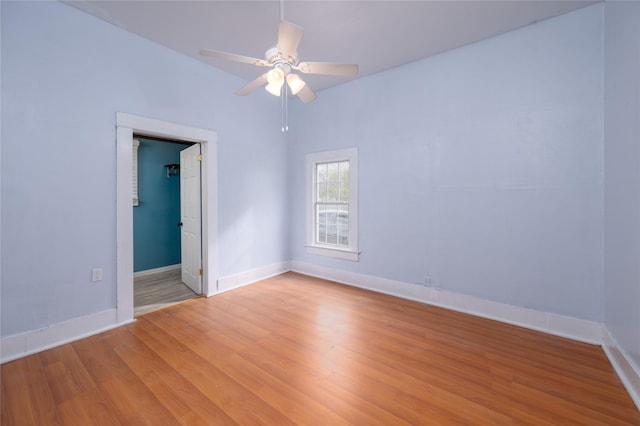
{"points": [[344, 254]]}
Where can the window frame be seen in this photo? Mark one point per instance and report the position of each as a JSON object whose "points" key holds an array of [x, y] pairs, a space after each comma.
{"points": [[351, 252]]}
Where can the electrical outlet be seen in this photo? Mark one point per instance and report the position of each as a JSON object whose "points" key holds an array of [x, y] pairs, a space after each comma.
{"points": [[96, 274], [427, 281]]}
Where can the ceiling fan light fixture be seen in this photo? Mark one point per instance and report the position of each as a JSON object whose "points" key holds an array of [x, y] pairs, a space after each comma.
{"points": [[274, 88], [275, 77], [295, 83]]}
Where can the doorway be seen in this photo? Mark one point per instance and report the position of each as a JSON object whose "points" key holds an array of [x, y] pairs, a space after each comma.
{"points": [[166, 223], [126, 126]]}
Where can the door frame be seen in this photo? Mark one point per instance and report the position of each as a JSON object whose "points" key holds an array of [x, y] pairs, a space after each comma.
{"points": [[126, 126]]}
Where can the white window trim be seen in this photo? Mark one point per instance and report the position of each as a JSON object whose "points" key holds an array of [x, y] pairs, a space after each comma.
{"points": [[348, 253]]}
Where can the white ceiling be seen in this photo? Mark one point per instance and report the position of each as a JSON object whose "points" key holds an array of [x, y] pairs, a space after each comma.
{"points": [[377, 35]]}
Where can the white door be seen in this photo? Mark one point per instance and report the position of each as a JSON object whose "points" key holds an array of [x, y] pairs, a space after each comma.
{"points": [[191, 242]]}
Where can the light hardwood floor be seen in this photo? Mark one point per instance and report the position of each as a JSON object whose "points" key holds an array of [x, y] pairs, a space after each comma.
{"points": [[299, 350], [157, 291]]}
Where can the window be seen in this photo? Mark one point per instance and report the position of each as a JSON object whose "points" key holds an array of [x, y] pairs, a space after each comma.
{"points": [[332, 204]]}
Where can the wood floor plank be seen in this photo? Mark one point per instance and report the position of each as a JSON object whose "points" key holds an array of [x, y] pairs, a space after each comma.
{"points": [[238, 402], [16, 400], [581, 390], [236, 364], [159, 290], [300, 350], [182, 398], [65, 374], [29, 405], [88, 408]]}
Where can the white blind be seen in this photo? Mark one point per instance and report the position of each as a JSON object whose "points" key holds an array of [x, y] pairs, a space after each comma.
{"points": [[134, 163]]}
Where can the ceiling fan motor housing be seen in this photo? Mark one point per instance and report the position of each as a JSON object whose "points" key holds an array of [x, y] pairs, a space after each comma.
{"points": [[286, 64]]}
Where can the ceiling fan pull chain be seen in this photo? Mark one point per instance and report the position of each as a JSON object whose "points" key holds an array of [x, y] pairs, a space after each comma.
{"points": [[286, 107]]}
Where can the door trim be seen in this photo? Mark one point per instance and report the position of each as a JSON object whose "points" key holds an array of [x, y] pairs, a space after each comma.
{"points": [[126, 126]]}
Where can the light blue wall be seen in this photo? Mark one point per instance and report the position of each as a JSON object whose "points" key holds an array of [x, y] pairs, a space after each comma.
{"points": [[156, 236], [481, 167], [65, 74], [622, 176]]}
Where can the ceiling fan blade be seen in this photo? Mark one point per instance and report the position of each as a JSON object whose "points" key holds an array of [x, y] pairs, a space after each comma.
{"points": [[306, 95], [289, 36], [329, 68], [233, 57], [258, 82]]}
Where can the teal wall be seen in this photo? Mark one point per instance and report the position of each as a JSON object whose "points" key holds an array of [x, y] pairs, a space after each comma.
{"points": [[156, 236]]}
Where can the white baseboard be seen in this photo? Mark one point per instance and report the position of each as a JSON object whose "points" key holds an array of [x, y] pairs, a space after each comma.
{"points": [[231, 282], [157, 270], [560, 325], [628, 374], [23, 344]]}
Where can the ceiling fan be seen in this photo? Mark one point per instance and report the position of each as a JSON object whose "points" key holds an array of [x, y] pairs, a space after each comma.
{"points": [[283, 59]]}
